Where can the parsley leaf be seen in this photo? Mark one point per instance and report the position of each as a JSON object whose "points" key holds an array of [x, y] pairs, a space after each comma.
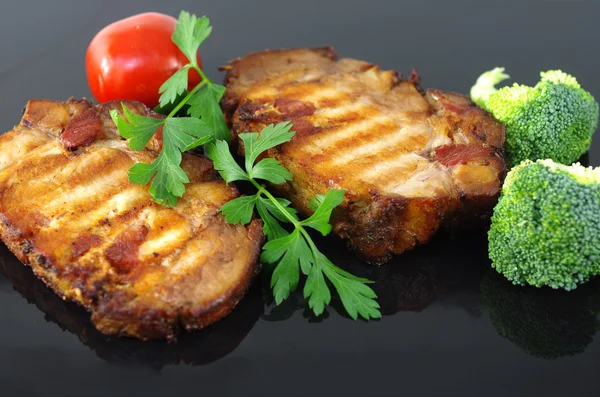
{"points": [[168, 180], [271, 227], [185, 133], [280, 208], [316, 202], [286, 275], [179, 134], [135, 127], [190, 32], [319, 220], [176, 85], [223, 162], [239, 210], [317, 291], [205, 104], [356, 296], [290, 253], [271, 136], [270, 170]]}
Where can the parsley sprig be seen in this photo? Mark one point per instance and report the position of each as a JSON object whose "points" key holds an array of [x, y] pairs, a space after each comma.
{"points": [[205, 122], [290, 252]]}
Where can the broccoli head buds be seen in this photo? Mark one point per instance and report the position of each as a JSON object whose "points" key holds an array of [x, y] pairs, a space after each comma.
{"points": [[545, 229], [555, 119]]}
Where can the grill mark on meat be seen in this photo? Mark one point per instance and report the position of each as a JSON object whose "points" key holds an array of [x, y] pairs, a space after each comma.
{"points": [[167, 232], [313, 95], [334, 137], [123, 254], [84, 242], [334, 110], [49, 155], [349, 111], [373, 148], [24, 142], [74, 187], [389, 167], [102, 214], [391, 177], [77, 194]]}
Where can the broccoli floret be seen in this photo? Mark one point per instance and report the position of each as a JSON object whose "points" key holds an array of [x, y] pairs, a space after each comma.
{"points": [[545, 323], [553, 120], [486, 85], [546, 226]]}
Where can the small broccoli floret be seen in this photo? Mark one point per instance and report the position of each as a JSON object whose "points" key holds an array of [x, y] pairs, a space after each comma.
{"points": [[486, 85], [555, 119], [546, 226], [543, 322]]}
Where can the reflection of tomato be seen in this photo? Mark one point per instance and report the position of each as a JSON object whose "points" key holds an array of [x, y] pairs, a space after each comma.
{"points": [[132, 58]]}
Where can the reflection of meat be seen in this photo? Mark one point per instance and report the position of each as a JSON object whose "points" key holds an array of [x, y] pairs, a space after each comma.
{"points": [[197, 348], [411, 160], [444, 270], [412, 289], [68, 210]]}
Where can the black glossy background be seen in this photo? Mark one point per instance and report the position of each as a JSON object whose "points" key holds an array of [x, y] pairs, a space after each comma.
{"points": [[437, 339]]}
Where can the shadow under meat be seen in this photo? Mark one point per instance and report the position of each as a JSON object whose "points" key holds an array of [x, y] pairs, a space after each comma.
{"points": [[193, 348], [447, 270], [544, 322]]}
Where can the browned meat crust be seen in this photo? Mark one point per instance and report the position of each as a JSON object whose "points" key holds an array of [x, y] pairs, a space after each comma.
{"points": [[410, 160], [68, 210]]}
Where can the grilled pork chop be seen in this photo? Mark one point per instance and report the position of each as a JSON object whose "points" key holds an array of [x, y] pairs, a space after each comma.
{"points": [[143, 270], [410, 160]]}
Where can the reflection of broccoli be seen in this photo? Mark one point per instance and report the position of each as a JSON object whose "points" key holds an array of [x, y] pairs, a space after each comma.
{"points": [[555, 119], [545, 323], [546, 226]]}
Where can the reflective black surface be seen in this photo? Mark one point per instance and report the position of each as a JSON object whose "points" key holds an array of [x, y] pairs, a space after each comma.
{"points": [[451, 327]]}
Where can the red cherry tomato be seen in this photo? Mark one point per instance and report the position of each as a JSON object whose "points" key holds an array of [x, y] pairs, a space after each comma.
{"points": [[130, 59]]}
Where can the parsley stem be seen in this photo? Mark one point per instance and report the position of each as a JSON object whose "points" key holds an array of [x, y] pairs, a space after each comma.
{"points": [[292, 220], [186, 98], [264, 191], [202, 75]]}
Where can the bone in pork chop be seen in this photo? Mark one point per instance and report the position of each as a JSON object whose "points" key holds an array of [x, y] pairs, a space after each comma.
{"points": [[411, 160]]}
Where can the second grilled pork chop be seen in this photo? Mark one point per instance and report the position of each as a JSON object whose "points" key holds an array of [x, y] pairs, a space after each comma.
{"points": [[410, 160], [68, 210]]}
